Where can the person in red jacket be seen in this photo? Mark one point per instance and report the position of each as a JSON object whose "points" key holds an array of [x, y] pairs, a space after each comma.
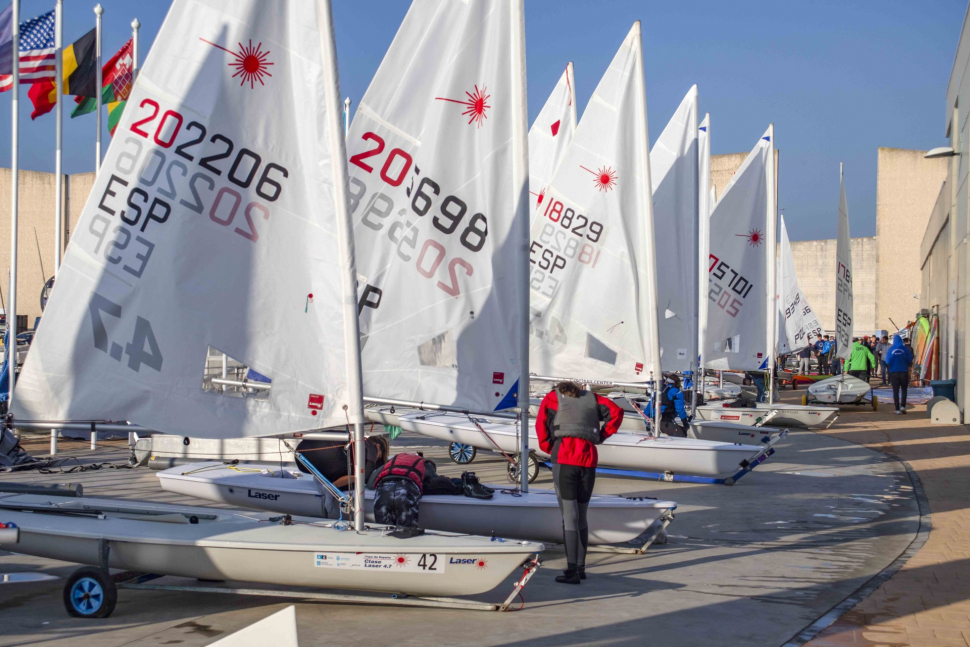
{"points": [[570, 423]]}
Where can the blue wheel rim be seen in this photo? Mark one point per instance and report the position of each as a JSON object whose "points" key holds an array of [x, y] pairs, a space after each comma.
{"points": [[87, 596], [461, 453]]}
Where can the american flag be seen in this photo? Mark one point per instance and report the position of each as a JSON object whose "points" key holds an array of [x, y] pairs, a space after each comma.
{"points": [[37, 52]]}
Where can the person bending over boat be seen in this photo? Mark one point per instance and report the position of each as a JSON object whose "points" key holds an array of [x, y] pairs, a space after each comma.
{"points": [[569, 425], [671, 404], [398, 488]]}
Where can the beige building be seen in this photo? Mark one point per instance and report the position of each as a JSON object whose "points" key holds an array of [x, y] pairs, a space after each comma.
{"points": [[887, 279], [36, 227], [907, 187], [815, 268]]}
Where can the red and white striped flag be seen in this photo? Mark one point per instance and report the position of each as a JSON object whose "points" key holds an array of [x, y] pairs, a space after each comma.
{"points": [[37, 50]]}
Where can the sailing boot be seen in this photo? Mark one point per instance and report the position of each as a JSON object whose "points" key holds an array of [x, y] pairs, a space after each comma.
{"points": [[569, 577], [473, 488]]}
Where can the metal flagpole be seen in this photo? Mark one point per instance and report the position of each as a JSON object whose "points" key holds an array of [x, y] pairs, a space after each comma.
{"points": [[345, 236], [772, 235], [98, 10], [58, 187], [520, 180], [346, 117], [14, 186], [133, 436], [58, 136], [135, 25]]}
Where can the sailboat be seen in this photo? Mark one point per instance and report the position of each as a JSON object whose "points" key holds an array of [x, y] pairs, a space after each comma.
{"points": [[594, 286], [220, 219], [798, 328], [842, 389], [438, 190]]}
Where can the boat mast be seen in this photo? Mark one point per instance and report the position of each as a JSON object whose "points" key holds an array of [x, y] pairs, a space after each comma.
{"points": [[703, 247], [520, 180], [345, 227], [772, 251], [650, 300]]}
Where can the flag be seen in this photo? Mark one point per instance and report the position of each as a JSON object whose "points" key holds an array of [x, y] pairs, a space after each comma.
{"points": [[116, 77], [37, 51], [80, 61]]}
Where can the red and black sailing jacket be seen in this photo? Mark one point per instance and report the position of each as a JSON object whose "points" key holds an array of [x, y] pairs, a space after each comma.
{"points": [[404, 466], [574, 451]]}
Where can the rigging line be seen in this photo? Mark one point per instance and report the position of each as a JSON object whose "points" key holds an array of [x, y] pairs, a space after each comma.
{"points": [[491, 440]]}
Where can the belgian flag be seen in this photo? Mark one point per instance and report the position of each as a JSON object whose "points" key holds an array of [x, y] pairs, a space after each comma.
{"points": [[80, 65]]}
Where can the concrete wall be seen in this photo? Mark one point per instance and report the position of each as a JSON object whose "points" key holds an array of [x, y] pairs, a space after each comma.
{"points": [[907, 187], [938, 287], [723, 168], [815, 269]]}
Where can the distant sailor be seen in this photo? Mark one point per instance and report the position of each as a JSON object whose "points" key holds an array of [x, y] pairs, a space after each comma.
{"points": [[671, 405], [570, 423], [861, 360]]}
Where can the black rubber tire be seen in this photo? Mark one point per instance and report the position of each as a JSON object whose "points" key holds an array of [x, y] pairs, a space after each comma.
{"points": [[512, 471], [462, 454], [90, 593]]}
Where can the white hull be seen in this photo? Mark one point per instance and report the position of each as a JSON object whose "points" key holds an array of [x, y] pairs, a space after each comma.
{"points": [[534, 516], [842, 389], [626, 451], [249, 548], [730, 432], [726, 392], [264, 450], [785, 415]]}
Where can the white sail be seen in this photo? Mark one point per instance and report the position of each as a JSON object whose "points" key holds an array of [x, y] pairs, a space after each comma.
{"points": [[738, 268], [800, 327], [440, 201], [216, 222], [550, 136], [674, 172], [706, 200], [843, 281], [594, 281]]}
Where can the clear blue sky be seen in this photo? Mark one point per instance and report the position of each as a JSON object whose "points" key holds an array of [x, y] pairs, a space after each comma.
{"points": [[838, 78]]}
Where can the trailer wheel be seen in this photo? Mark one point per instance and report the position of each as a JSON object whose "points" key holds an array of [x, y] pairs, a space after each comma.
{"points": [[90, 593], [875, 402], [804, 399], [461, 453], [513, 470]]}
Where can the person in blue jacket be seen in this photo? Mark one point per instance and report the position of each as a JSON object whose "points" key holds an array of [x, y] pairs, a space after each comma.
{"points": [[671, 405], [898, 360]]}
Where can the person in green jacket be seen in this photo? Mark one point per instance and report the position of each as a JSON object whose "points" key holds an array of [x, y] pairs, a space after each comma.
{"points": [[861, 361]]}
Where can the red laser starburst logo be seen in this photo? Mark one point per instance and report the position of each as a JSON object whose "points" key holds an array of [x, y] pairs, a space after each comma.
{"points": [[476, 105], [401, 561], [754, 237], [481, 564], [250, 62], [604, 178]]}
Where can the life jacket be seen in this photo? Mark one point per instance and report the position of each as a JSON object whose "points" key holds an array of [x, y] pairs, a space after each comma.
{"points": [[404, 466], [578, 418], [668, 410]]}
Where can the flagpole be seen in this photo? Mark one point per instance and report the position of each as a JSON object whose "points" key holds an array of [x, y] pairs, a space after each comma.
{"points": [[98, 10], [135, 26], [58, 136], [346, 117], [59, 119], [14, 180]]}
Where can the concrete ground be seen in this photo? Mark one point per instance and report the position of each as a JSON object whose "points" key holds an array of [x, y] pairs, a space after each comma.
{"points": [[752, 564]]}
